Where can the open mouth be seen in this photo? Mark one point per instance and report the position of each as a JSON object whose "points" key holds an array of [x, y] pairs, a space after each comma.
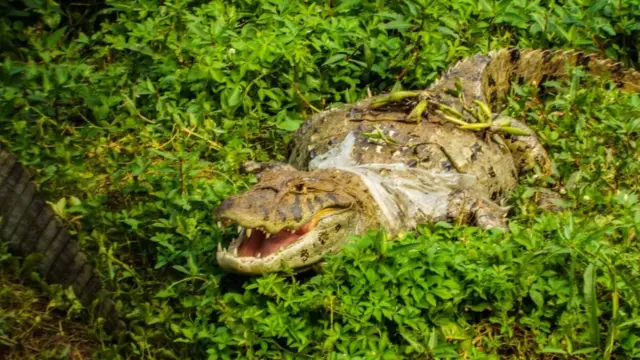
{"points": [[257, 243]]}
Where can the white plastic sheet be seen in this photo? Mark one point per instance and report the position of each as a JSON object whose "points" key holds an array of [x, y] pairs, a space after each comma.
{"points": [[405, 196]]}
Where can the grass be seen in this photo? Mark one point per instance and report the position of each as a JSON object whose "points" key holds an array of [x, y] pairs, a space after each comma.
{"points": [[38, 321]]}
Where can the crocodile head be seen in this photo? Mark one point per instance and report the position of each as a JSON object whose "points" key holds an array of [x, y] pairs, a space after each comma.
{"points": [[290, 218]]}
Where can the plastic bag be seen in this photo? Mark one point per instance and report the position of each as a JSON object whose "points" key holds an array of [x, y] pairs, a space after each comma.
{"points": [[405, 195]]}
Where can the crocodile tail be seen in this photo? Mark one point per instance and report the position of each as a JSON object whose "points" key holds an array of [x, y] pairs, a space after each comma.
{"points": [[533, 66], [29, 225]]}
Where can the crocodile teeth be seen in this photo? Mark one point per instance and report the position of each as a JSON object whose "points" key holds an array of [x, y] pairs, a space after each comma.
{"points": [[235, 252], [248, 232], [219, 247], [220, 224], [239, 228], [259, 255]]}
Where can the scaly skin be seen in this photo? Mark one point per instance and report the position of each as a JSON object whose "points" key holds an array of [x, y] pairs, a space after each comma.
{"points": [[297, 198], [427, 168]]}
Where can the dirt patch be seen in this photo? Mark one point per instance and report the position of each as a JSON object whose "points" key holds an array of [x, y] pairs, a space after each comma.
{"points": [[34, 325]]}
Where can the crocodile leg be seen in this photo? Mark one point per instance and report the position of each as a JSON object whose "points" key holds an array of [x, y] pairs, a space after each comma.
{"points": [[527, 151], [464, 207]]}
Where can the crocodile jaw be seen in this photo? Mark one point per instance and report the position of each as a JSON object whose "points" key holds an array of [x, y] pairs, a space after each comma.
{"points": [[325, 237]]}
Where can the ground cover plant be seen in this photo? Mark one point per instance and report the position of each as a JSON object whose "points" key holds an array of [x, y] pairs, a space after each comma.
{"points": [[136, 116]]}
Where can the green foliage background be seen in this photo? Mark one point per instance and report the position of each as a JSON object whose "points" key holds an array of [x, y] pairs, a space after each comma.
{"points": [[138, 113]]}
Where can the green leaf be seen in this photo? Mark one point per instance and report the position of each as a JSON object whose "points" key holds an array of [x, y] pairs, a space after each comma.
{"points": [[165, 293], [403, 249], [334, 59], [552, 350], [182, 269], [82, 38], [235, 97], [411, 339], [585, 351], [537, 298], [397, 25], [188, 333], [53, 39], [133, 223], [289, 124], [442, 293], [193, 267], [59, 207]]}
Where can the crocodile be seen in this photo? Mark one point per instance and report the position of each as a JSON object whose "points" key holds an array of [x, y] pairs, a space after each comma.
{"points": [[393, 161], [399, 159]]}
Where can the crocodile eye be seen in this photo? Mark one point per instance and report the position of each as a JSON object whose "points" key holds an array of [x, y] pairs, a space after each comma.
{"points": [[300, 188]]}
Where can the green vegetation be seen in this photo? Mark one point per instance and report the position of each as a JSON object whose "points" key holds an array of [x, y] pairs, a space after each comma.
{"points": [[137, 114]]}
